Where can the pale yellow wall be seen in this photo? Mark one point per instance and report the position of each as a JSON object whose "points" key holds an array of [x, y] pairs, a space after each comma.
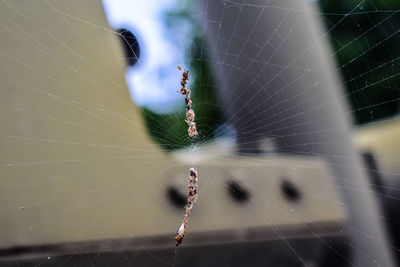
{"points": [[74, 151], [382, 139]]}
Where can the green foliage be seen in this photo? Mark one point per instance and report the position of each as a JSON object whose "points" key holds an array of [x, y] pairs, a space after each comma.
{"points": [[166, 130], [365, 43], [170, 130]]}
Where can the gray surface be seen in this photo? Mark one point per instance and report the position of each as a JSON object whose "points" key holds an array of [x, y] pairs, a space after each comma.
{"points": [[274, 62], [272, 253]]}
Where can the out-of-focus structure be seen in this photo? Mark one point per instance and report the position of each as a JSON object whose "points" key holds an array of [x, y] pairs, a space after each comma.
{"points": [[82, 182]]}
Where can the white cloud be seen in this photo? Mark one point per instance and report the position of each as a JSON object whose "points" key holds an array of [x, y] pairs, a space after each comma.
{"points": [[154, 80]]}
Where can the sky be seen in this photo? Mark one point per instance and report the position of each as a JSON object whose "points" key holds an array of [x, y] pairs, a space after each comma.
{"points": [[154, 80]]}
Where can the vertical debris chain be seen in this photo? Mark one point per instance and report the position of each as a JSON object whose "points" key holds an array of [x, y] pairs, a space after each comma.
{"points": [[192, 199], [192, 131], [193, 177]]}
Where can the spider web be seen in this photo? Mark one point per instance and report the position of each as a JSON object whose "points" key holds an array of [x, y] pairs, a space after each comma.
{"points": [[84, 168]]}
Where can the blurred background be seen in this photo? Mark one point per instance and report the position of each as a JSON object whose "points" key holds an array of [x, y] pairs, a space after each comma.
{"points": [[296, 103], [364, 46]]}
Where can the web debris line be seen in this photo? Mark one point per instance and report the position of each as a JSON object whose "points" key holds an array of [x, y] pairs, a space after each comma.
{"points": [[192, 131], [193, 177], [192, 199]]}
